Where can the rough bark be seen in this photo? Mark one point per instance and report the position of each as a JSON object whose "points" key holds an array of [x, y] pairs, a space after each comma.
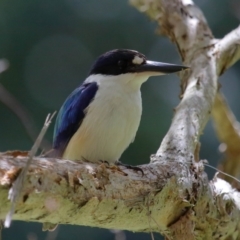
{"points": [[67, 192], [174, 196]]}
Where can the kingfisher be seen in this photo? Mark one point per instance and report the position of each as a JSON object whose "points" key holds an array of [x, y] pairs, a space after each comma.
{"points": [[100, 118]]}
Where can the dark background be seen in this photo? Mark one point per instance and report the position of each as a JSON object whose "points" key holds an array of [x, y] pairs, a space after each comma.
{"points": [[50, 46]]}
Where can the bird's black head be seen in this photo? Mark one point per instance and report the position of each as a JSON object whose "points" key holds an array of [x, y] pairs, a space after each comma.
{"points": [[120, 61], [117, 62]]}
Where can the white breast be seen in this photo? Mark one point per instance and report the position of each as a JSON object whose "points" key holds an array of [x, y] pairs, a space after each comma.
{"points": [[110, 124]]}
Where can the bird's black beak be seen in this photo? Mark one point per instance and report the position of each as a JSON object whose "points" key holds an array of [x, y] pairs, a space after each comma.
{"points": [[159, 67]]}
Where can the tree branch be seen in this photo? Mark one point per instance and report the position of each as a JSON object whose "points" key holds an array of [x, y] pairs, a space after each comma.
{"points": [[67, 192], [61, 191], [228, 131], [228, 50]]}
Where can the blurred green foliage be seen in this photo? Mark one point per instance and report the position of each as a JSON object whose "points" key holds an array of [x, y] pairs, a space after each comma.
{"points": [[50, 46]]}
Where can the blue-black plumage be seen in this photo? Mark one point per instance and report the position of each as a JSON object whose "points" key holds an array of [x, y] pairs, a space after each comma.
{"points": [[71, 115]]}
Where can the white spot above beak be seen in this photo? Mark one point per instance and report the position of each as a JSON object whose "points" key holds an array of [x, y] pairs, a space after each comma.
{"points": [[137, 60]]}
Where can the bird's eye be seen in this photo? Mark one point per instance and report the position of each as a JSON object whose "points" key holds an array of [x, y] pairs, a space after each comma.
{"points": [[121, 64]]}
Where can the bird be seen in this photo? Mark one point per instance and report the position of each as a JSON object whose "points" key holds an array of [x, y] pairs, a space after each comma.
{"points": [[100, 118]]}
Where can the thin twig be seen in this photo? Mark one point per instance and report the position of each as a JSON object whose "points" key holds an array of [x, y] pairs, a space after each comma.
{"points": [[16, 189], [19, 110]]}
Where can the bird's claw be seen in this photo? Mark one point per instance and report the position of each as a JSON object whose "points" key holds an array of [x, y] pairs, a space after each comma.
{"points": [[104, 162], [135, 168]]}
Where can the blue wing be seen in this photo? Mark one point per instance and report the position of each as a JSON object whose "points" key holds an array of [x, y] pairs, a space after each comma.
{"points": [[71, 115]]}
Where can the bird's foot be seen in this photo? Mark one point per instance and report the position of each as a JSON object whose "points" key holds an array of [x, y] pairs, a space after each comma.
{"points": [[104, 162], [135, 168]]}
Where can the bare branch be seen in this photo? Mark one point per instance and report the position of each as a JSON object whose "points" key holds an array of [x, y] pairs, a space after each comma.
{"points": [[67, 192], [228, 130], [228, 50]]}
